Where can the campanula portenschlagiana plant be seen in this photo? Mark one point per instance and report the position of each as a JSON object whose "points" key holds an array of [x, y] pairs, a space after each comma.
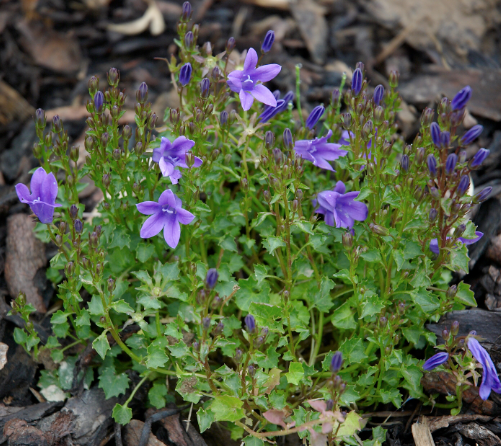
{"points": [[273, 266]]}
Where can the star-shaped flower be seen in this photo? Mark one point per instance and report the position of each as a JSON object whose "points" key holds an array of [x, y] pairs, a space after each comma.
{"points": [[319, 151]]}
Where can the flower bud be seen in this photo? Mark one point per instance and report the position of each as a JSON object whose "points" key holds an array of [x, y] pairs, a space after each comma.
{"points": [[259, 341], [111, 284], [433, 215], [99, 269], [204, 87], [404, 163], [40, 119], [277, 154], [113, 77], [346, 121], [434, 192], [378, 94], [356, 82], [211, 278], [367, 129], [93, 240], [230, 45], [379, 230], [188, 40], [267, 195], [471, 135], [432, 165], [142, 93], [336, 362], [250, 323], [461, 99], [78, 225], [314, 116], [238, 355], [287, 139], [106, 180], [450, 163], [206, 323], [69, 269], [464, 185], [335, 96], [74, 153], [57, 124], [394, 75], [201, 296], [251, 370], [478, 159], [93, 85], [482, 195], [378, 115], [269, 139], [455, 328], [218, 329], [445, 139], [347, 240], [99, 101], [268, 41], [185, 74], [186, 15], [223, 118]]}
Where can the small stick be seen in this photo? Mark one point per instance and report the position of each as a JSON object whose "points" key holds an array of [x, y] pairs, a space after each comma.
{"points": [[145, 433]]}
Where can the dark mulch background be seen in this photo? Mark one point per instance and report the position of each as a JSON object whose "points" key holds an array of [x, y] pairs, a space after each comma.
{"points": [[49, 49]]}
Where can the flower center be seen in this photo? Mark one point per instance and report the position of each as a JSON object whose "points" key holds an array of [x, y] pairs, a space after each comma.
{"points": [[168, 209], [174, 159], [37, 200], [248, 84]]}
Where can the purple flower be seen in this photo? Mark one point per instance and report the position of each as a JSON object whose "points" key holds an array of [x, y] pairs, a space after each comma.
{"points": [[450, 163], [336, 362], [466, 241], [404, 162], [250, 323], [282, 104], [268, 41], [356, 81], [432, 164], [98, 100], [435, 133], [169, 155], [341, 208], [471, 135], [483, 194], [185, 74], [461, 98], [211, 278], [319, 151], [378, 94], [166, 215], [479, 158], [245, 82], [435, 361], [315, 115], [445, 139], [464, 184], [42, 199], [490, 379]]}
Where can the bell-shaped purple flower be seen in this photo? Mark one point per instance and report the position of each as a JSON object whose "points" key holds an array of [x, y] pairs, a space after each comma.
{"points": [[245, 82], [435, 361], [268, 41], [466, 241], [340, 208], [471, 135], [461, 99], [479, 158], [356, 81], [432, 164], [336, 362], [450, 163], [169, 155], [211, 278], [435, 133], [378, 94], [250, 323], [42, 199], [319, 151], [464, 184], [315, 115], [490, 379], [166, 215], [185, 74]]}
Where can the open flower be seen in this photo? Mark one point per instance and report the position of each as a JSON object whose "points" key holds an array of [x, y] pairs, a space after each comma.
{"points": [[466, 241], [341, 208], [42, 199], [166, 215], [490, 379], [245, 82], [169, 155], [435, 361], [319, 151]]}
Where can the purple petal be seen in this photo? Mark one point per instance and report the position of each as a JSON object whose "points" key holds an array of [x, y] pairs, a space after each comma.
{"points": [[331, 152], [44, 212], [174, 178], [158, 153], [184, 217], [235, 85], [250, 60], [149, 207], [165, 144], [329, 218], [266, 73], [264, 95], [434, 246], [343, 220], [327, 199], [198, 162], [323, 164], [36, 182], [340, 187], [470, 241], [23, 193], [435, 361], [153, 225], [48, 191], [166, 167], [182, 144], [167, 198], [355, 209], [246, 99], [172, 231]]}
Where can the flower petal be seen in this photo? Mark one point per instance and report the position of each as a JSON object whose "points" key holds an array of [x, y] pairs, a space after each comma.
{"points": [[36, 182], [266, 73], [174, 177], [246, 99], [44, 212], [165, 144], [434, 246], [167, 198], [250, 60], [182, 144], [329, 218], [322, 163], [149, 207], [470, 241], [264, 95], [198, 162], [157, 154], [340, 187], [48, 191], [153, 225], [184, 217], [166, 167], [23, 193], [172, 231]]}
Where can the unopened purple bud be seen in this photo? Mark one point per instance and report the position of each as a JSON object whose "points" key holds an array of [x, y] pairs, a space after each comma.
{"points": [[461, 99], [335, 96], [204, 87], [435, 133], [336, 362], [329, 404], [433, 215], [259, 341], [188, 39], [230, 45], [268, 41], [238, 355], [445, 139], [315, 115], [445, 334], [464, 184], [378, 94], [185, 74], [251, 370], [471, 135], [40, 119], [250, 323], [451, 291], [483, 194], [432, 164], [98, 101], [434, 192], [223, 118], [404, 163], [472, 333], [78, 225], [73, 211], [356, 81], [450, 163], [142, 93], [455, 328], [206, 323], [218, 329], [186, 11], [479, 158], [462, 156], [211, 278], [287, 138], [435, 361]]}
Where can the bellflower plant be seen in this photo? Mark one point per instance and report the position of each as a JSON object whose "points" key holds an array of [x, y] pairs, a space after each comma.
{"points": [[250, 305]]}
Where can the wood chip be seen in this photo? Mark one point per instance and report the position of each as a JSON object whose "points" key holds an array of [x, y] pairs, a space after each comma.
{"points": [[421, 433], [25, 256], [482, 435], [3, 354], [152, 19], [13, 107], [133, 434]]}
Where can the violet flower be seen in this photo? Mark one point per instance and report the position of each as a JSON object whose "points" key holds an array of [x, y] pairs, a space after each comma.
{"points": [[490, 379], [466, 241], [314, 116], [319, 151], [268, 41], [245, 82], [378, 94], [42, 199], [340, 208], [250, 323], [435, 361], [464, 184], [479, 158], [282, 104], [166, 215], [461, 98], [336, 362], [435, 133], [169, 155], [211, 277], [471, 135]]}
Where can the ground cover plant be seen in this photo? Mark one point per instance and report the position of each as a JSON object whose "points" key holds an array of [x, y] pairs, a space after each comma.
{"points": [[275, 271]]}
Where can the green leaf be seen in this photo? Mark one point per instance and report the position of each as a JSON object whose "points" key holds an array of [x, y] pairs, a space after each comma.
{"points": [[465, 295], [205, 419], [412, 375], [169, 271], [372, 305], [412, 250], [295, 373], [112, 383], [260, 272], [122, 414], [83, 319], [272, 243], [459, 259], [121, 238], [228, 244], [59, 317], [344, 317], [353, 350], [322, 298], [304, 226], [101, 344], [412, 334], [426, 301], [156, 354], [120, 306], [371, 256], [350, 426], [227, 408], [145, 251], [96, 306], [157, 394]]}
